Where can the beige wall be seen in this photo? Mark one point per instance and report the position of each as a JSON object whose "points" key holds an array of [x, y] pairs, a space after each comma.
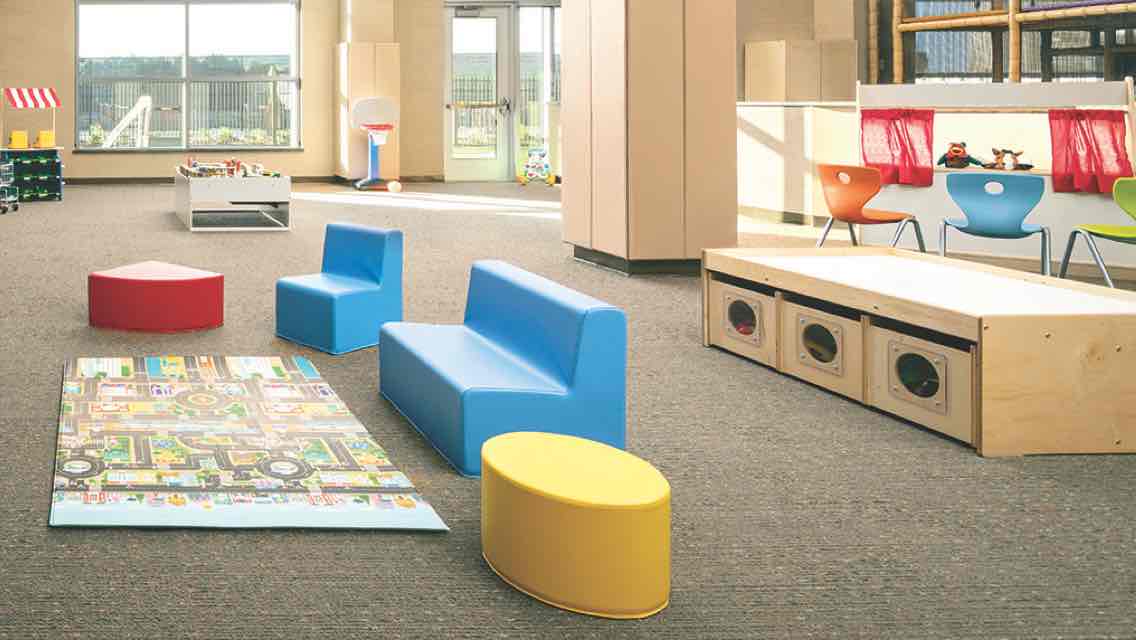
{"points": [[760, 20], [366, 20], [37, 48]]}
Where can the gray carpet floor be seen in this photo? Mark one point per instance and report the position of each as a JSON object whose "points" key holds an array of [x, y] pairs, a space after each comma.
{"points": [[796, 514]]}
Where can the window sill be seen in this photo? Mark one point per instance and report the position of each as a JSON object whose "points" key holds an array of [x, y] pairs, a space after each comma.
{"points": [[184, 150]]}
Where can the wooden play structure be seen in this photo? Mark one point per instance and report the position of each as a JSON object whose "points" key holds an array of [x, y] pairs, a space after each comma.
{"points": [[1007, 362], [1013, 17]]}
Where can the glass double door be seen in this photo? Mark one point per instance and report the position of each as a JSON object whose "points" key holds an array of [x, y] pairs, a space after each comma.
{"points": [[501, 92]]}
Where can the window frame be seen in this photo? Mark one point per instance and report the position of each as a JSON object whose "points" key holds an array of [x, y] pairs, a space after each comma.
{"points": [[187, 78]]}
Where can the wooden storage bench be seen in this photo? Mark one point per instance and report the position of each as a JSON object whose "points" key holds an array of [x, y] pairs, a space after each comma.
{"points": [[1008, 362]]}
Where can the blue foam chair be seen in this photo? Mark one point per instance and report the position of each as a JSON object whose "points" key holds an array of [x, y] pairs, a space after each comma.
{"points": [[358, 288], [532, 355], [996, 206]]}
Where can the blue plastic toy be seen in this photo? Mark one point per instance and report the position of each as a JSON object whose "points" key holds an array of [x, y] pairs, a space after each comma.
{"points": [[532, 355], [996, 206], [359, 288]]}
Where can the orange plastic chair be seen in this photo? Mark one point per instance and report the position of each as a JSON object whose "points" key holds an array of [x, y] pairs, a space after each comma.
{"points": [[847, 189]]}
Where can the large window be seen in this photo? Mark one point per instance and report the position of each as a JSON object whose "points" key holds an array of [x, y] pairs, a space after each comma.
{"points": [[188, 74]]}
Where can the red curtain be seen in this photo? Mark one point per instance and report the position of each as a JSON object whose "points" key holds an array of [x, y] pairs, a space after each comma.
{"points": [[898, 143], [1089, 153]]}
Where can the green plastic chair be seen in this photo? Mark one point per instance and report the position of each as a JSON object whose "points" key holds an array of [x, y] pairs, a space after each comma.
{"points": [[1124, 194]]}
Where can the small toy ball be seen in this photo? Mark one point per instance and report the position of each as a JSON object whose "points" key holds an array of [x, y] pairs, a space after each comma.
{"points": [[394, 186]]}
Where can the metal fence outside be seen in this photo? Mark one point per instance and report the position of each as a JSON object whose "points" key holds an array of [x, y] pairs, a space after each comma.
{"points": [[477, 127], [221, 113]]}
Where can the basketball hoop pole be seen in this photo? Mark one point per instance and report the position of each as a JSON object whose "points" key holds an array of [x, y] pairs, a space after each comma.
{"points": [[376, 138]]}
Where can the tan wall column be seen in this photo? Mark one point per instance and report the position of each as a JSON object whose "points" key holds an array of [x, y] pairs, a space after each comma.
{"points": [[367, 64], [649, 125], [366, 21]]}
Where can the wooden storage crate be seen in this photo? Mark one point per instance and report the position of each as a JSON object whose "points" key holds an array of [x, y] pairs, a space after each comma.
{"points": [[824, 348], [743, 321], [1050, 364], [924, 381]]}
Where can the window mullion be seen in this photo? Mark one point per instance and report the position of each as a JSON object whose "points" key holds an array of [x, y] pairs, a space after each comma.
{"points": [[187, 86]]}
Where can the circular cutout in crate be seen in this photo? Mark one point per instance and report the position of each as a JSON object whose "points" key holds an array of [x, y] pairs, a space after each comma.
{"points": [[743, 319], [819, 344], [917, 375]]}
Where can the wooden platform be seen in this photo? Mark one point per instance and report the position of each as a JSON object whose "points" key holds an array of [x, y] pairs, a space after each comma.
{"points": [[1009, 362]]}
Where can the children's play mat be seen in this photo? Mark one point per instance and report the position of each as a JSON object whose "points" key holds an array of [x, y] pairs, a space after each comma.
{"points": [[215, 441]]}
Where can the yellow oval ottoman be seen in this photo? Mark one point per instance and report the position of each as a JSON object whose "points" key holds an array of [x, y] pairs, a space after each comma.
{"points": [[576, 524]]}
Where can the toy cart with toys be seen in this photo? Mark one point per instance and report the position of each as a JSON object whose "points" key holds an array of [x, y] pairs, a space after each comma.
{"points": [[9, 193], [232, 196], [37, 168]]}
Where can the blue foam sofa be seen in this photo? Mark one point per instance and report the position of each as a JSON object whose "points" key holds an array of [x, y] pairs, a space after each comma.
{"points": [[358, 288], [532, 355]]}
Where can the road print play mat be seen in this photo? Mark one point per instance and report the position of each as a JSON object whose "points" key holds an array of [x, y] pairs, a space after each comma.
{"points": [[220, 441]]}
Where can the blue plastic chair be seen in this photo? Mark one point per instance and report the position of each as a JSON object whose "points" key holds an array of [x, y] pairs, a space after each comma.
{"points": [[996, 206], [342, 308], [532, 355]]}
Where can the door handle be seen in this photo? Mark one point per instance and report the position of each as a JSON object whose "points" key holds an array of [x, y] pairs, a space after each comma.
{"points": [[476, 105]]}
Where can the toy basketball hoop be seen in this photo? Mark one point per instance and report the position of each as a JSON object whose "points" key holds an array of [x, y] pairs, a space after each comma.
{"points": [[378, 133], [377, 117]]}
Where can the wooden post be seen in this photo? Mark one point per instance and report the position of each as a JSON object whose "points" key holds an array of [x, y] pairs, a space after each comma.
{"points": [[1015, 41], [1047, 56], [874, 41], [997, 57], [1110, 55], [897, 61]]}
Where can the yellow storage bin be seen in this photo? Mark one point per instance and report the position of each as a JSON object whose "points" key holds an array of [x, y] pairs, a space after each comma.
{"points": [[576, 524], [18, 140], [46, 139]]}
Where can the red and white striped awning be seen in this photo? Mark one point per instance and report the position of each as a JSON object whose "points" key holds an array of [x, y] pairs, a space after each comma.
{"points": [[31, 97]]}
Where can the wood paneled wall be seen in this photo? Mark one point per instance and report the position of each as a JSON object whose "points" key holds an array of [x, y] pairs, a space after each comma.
{"points": [[650, 151]]}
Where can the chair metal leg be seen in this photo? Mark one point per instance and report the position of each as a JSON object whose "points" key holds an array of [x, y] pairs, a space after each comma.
{"points": [[1099, 260], [824, 233], [943, 238], [918, 233], [1068, 253], [1093, 250], [898, 232], [1046, 252], [852, 234]]}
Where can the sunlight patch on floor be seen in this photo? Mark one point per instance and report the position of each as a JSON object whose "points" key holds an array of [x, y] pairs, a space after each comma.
{"points": [[446, 203]]}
